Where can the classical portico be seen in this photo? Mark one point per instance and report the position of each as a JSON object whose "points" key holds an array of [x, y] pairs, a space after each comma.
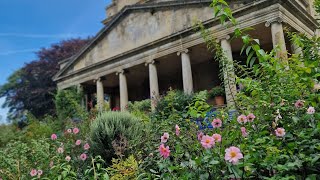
{"points": [[147, 48]]}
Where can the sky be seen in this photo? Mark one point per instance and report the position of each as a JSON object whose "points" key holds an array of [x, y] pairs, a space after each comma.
{"points": [[28, 25]]}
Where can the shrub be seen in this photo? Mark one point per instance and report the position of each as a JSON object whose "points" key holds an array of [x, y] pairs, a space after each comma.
{"points": [[113, 132], [123, 169], [144, 106]]}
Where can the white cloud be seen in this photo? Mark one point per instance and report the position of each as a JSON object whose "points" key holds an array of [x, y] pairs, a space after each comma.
{"points": [[4, 53]]}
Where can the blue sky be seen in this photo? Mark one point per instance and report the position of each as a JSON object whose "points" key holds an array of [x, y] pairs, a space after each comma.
{"points": [[28, 25]]}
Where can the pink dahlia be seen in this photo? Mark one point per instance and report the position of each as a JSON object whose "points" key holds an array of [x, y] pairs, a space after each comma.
{"points": [[311, 110], [76, 130], [86, 146], [60, 150], [216, 123], [78, 142], [33, 172], [164, 137], [83, 156], [207, 142], [164, 151], [280, 132], [68, 158], [233, 154], [251, 117], [177, 130], [54, 136], [299, 104], [69, 131], [242, 119], [216, 137]]}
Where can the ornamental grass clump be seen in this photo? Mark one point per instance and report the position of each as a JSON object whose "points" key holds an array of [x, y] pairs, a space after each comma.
{"points": [[115, 130]]}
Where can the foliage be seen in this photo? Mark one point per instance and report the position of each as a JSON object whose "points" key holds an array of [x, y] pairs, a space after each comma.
{"points": [[123, 169], [68, 104], [216, 91], [8, 133], [113, 133], [199, 107], [144, 105], [32, 88]]}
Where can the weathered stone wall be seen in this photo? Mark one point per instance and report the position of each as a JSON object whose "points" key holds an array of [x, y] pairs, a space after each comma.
{"points": [[140, 28]]}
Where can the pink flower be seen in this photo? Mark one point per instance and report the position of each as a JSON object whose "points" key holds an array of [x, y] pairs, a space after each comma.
{"points": [[33, 172], [216, 123], [233, 154], [78, 142], [51, 164], [60, 150], [164, 137], [280, 132], [69, 131], [68, 158], [76, 130], [242, 119], [311, 110], [251, 117], [86, 146], [216, 137], [177, 130], [200, 135], [207, 142], [54, 136], [299, 104], [40, 172], [83, 156], [244, 132], [164, 151]]}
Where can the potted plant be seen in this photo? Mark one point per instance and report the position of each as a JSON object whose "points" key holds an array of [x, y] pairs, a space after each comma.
{"points": [[217, 93]]}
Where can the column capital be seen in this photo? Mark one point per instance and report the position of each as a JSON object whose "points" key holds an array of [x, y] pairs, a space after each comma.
{"points": [[150, 62], [183, 51], [225, 37], [99, 79], [121, 71], [274, 20]]}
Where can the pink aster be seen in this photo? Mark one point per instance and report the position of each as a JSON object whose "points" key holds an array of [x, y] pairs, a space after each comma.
{"points": [[216, 137], [207, 142], [33, 172], [86, 146], [68, 158], [242, 119], [233, 154], [280, 132], [164, 137], [244, 132], [164, 151], [311, 110], [200, 135], [177, 130], [83, 156], [54, 136], [299, 104], [216, 123], [251, 117], [60, 150], [76, 130]]}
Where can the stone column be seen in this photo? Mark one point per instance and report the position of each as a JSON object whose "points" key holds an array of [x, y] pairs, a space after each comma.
{"points": [[186, 71], [123, 90], [228, 72], [80, 90], [278, 38], [100, 94], [154, 85]]}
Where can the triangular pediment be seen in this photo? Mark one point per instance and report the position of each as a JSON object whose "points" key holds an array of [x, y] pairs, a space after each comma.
{"points": [[137, 26]]}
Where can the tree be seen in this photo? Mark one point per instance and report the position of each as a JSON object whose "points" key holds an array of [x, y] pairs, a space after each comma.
{"points": [[31, 88]]}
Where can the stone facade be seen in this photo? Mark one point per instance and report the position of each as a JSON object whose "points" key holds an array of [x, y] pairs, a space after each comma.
{"points": [[147, 46]]}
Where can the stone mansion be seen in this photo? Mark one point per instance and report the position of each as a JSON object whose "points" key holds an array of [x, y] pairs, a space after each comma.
{"points": [[147, 46]]}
